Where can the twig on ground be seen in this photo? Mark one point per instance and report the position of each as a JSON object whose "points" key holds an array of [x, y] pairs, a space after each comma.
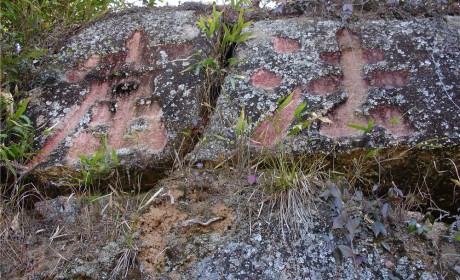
{"points": [[151, 199], [191, 222]]}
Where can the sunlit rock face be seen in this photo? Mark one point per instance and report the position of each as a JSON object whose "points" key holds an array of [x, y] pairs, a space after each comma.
{"points": [[388, 89], [379, 83], [121, 81], [380, 97]]}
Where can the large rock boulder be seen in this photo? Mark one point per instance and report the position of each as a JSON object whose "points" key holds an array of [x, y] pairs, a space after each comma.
{"points": [[120, 81], [121, 77], [395, 82], [404, 75]]}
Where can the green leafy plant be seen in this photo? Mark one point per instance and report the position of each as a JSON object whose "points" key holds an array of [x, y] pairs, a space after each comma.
{"points": [[283, 101], [223, 37], [151, 3], [298, 115], [99, 166], [16, 149], [240, 131], [431, 143], [301, 125], [372, 153], [222, 34], [30, 27], [242, 126], [238, 139], [395, 121], [414, 226], [16, 135], [366, 129], [454, 229]]}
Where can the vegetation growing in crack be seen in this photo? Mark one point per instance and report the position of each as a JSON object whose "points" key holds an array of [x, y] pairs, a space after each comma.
{"points": [[223, 37], [98, 167]]}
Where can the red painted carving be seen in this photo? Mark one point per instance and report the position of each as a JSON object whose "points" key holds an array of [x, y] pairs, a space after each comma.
{"points": [[285, 45], [266, 79], [388, 79], [112, 101], [325, 85], [373, 56], [391, 118], [330, 57], [74, 76], [353, 57], [275, 127]]}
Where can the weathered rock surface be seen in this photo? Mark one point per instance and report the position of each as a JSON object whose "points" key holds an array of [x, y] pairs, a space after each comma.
{"points": [[121, 77], [404, 75]]}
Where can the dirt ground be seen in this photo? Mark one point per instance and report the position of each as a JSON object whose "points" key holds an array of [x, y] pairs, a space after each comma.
{"points": [[113, 237], [108, 236]]}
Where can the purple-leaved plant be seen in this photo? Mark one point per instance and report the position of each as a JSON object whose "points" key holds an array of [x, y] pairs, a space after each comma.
{"points": [[252, 179]]}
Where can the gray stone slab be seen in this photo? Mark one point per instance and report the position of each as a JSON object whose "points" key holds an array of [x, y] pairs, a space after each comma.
{"points": [[404, 75], [121, 77]]}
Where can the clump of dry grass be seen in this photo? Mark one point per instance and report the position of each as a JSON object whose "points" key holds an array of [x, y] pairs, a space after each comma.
{"points": [[290, 187]]}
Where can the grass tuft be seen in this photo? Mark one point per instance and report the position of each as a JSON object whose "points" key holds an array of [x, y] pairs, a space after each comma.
{"points": [[291, 186]]}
